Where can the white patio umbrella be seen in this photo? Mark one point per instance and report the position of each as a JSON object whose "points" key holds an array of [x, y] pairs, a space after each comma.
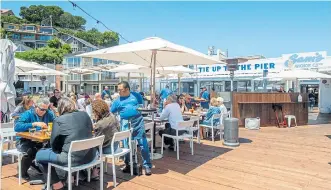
{"points": [[297, 74], [153, 52], [80, 72], [24, 66], [7, 88]]}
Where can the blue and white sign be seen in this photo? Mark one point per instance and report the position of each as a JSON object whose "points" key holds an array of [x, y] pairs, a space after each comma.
{"points": [[304, 60]]}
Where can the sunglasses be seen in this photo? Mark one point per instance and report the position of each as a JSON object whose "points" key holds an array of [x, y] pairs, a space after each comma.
{"points": [[42, 109]]}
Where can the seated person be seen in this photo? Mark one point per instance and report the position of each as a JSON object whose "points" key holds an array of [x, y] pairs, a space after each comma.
{"points": [[182, 103], [108, 100], [223, 109], [106, 124], [173, 113], [37, 117], [70, 126], [26, 104], [213, 109]]}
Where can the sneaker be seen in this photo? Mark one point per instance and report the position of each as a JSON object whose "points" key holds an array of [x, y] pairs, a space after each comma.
{"points": [[148, 171]]}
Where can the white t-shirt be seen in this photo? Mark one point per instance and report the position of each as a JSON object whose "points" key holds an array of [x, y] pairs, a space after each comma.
{"points": [[173, 113]]}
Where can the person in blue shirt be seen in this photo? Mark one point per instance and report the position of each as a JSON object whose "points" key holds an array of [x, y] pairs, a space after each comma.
{"points": [[206, 96], [213, 109], [127, 107], [104, 92], [138, 97], [163, 96], [38, 118]]}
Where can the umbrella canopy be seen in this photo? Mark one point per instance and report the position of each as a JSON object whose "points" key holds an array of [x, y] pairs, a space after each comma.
{"points": [[23, 66], [7, 88], [135, 75], [80, 71], [43, 72], [299, 74], [140, 52]]}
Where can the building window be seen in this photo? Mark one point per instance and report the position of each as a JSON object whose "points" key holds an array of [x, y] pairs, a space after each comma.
{"points": [[75, 41], [45, 38], [46, 30], [11, 27], [95, 88], [16, 36], [29, 28], [29, 36]]}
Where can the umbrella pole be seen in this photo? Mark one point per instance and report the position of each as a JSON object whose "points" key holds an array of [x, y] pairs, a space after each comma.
{"points": [[178, 84], [153, 79], [31, 85]]}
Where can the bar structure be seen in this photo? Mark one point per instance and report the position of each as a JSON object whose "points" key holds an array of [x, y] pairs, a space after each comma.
{"points": [[252, 105]]}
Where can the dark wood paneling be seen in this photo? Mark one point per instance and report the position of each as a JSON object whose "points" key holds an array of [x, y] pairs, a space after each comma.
{"points": [[250, 105]]}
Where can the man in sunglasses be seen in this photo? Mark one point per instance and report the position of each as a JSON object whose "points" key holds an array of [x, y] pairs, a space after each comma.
{"points": [[38, 118]]}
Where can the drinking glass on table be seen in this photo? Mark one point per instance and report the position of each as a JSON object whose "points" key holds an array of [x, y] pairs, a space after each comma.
{"points": [[32, 131], [50, 126]]}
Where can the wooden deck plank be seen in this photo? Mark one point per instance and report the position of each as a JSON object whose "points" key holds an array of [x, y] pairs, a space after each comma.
{"points": [[270, 158]]}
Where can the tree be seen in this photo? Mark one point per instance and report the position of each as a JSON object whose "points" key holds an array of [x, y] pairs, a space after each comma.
{"points": [[109, 39], [13, 19], [67, 20], [38, 13], [54, 43], [2, 33]]}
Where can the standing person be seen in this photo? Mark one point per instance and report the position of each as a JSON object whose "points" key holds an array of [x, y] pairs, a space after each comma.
{"points": [[105, 92], [38, 118], [55, 99], [127, 107], [281, 89], [163, 96], [311, 97], [206, 98], [70, 126], [213, 93]]}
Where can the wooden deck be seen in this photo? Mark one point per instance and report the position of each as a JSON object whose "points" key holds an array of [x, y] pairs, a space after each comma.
{"points": [[271, 158]]}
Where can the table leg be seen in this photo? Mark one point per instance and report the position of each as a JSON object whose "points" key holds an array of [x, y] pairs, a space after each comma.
{"points": [[156, 155]]}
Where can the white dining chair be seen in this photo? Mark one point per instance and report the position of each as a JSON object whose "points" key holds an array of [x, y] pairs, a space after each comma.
{"points": [[75, 146], [119, 136], [213, 126], [181, 126], [7, 134], [196, 119]]}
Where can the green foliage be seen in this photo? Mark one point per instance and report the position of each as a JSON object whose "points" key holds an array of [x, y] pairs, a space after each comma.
{"points": [[97, 38], [54, 43], [53, 53], [40, 14], [2, 33], [13, 19]]}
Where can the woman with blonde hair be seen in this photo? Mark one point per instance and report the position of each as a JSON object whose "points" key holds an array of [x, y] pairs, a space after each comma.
{"points": [[223, 109], [26, 104], [213, 109]]}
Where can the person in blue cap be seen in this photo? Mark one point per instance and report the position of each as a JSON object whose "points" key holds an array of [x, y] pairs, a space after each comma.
{"points": [[163, 96], [127, 106]]}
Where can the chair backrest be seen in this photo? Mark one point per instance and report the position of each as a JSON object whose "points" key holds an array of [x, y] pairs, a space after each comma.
{"points": [[184, 125], [86, 144], [216, 116], [7, 130], [149, 126], [118, 136], [195, 118]]}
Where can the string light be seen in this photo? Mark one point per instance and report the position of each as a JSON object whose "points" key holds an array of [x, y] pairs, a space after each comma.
{"points": [[100, 22]]}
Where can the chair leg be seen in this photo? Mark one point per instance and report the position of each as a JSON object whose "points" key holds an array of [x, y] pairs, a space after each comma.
{"points": [[177, 143], [295, 121], [192, 149], [161, 145], [136, 152], [69, 180], [198, 133], [101, 176], [131, 162], [19, 169], [289, 122], [77, 178], [175, 147], [106, 164], [12, 159], [212, 134], [49, 177], [114, 173], [89, 174], [152, 149]]}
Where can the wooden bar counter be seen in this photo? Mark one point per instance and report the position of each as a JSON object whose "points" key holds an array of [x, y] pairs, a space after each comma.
{"points": [[252, 105]]}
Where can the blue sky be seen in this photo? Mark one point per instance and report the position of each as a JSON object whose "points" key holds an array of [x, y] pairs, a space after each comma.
{"points": [[244, 28]]}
